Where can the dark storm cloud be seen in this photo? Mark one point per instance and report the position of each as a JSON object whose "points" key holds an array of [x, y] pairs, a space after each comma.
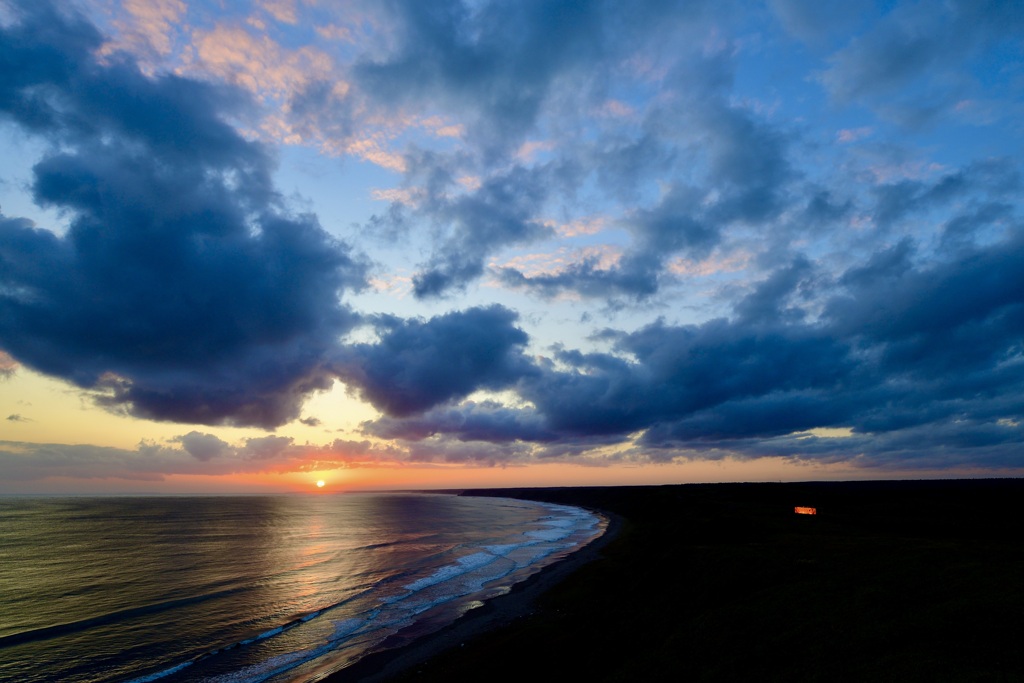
{"points": [[183, 289], [742, 157], [692, 386], [203, 446], [958, 317], [982, 195], [669, 380], [484, 421], [265, 447], [963, 229], [777, 299], [896, 201], [680, 224], [773, 414], [748, 165], [675, 226], [625, 164], [419, 364], [942, 444], [497, 62], [504, 68], [920, 358], [52, 84], [899, 346], [636, 276], [913, 63], [500, 213], [470, 224], [822, 210], [740, 176], [673, 372]]}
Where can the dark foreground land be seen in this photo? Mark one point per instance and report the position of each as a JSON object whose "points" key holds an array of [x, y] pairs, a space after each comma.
{"points": [[891, 581]]}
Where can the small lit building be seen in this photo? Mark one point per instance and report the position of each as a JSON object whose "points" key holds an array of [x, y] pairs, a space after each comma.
{"points": [[805, 511]]}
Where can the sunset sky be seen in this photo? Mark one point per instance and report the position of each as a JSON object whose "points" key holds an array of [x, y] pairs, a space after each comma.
{"points": [[247, 246]]}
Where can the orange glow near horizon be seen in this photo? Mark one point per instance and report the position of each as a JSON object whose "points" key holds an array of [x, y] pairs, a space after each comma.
{"points": [[434, 476]]}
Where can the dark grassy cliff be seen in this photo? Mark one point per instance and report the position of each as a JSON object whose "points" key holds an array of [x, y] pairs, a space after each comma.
{"points": [[890, 581]]}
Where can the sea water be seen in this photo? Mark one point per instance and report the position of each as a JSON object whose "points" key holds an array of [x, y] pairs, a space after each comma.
{"points": [[232, 589]]}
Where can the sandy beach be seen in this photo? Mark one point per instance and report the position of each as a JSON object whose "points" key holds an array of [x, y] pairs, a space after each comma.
{"points": [[888, 581]]}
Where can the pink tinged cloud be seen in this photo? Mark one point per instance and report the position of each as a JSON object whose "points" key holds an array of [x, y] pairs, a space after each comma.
{"points": [[8, 366], [258, 63], [285, 11], [150, 25]]}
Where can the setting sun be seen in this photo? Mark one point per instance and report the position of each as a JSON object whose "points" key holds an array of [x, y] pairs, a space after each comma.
{"points": [[320, 484]]}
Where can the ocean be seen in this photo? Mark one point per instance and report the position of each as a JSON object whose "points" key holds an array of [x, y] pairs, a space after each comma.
{"points": [[246, 589]]}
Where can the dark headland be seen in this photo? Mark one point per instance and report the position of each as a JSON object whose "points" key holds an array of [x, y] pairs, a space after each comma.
{"points": [[889, 581]]}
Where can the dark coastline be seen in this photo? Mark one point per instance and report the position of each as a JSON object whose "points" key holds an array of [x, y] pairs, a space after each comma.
{"points": [[891, 580]]}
